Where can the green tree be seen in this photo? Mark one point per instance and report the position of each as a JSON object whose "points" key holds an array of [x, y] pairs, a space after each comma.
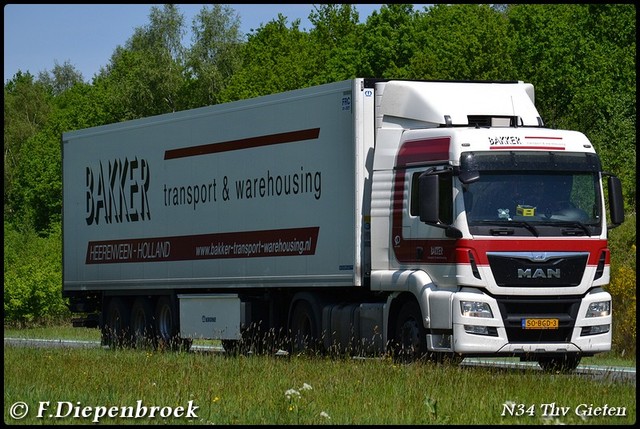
{"points": [[146, 76], [32, 275], [389, 42], [335, 42], [37, 185], [215, 55], [462, 42], [26, 111], [276, 58], [61, 78]]}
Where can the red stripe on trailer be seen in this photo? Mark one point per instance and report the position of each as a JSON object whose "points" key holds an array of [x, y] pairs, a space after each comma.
{"points": [[249, 143]]}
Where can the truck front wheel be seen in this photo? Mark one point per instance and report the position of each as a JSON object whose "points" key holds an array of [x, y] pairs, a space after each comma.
{"points": [[410, 338]]}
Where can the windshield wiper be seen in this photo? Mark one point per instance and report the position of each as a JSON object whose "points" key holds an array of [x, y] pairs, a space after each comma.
{"points": [[573, 223], [520, 223]]}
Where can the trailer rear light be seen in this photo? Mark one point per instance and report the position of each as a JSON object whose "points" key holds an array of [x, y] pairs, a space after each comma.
{"points": [[481, 330], [476, 309], [594, 330], [599, 309]]}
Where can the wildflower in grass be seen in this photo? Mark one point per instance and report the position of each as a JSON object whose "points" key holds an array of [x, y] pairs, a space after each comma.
{"points": [[215, 399], [294, 397], [324, 415], [292, 394]]}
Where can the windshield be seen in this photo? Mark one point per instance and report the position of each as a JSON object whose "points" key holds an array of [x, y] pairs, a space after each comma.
{"points": [[534, 197]]}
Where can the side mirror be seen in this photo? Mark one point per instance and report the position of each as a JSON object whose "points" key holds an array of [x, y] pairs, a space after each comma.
{"points": [[429, 204], [616, 203], [429, 208]]}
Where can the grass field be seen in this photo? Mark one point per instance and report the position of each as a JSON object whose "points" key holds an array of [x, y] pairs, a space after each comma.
{"points": [[67, 332], [85, 386]]}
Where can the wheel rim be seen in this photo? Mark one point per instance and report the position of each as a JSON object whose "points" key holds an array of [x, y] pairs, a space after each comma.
{"points": [[409, 342], [139, 327], [410, 337], [165, 323]]}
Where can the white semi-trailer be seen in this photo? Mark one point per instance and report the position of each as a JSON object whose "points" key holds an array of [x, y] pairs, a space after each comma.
{"points": [[416, 217]]}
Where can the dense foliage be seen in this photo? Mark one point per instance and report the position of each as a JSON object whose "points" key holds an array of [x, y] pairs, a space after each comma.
{"points": [[579, 57]]}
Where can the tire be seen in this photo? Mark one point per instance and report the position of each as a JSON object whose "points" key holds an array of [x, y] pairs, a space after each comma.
{"points": [[167, 328], [142, 324], [116, 329], [304, 329], [409, 343], [231, 347], [560, 363]]}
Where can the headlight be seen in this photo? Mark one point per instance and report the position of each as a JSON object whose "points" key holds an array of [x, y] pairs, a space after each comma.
{"points": [[476, 309], [599, 309]]}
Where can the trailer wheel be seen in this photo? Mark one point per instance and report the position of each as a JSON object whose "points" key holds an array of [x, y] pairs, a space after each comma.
{"points": [[142, 324], [231, 347], [304, 328], [117, 327], [167, 325], [410, 339], [560, 363]]}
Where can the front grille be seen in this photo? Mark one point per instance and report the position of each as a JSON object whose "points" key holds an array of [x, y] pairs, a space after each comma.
{"points": [[522, 270], [514, 309]]}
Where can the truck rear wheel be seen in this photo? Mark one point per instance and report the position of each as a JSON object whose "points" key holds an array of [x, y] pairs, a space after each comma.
{"points": [[304, 328], [410, 339], [142, 324], [116, 329]]}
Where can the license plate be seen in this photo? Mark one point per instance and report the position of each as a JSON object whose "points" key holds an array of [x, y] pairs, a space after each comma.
{"points": [[539, 323]]}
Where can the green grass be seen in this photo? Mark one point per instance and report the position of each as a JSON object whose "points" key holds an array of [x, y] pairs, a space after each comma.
{"points": [[290, 390], [295, 390], [62, 332], [67, 332]]}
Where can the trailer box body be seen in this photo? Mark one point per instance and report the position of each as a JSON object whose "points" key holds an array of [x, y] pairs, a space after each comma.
{"points": [[266, 192]]}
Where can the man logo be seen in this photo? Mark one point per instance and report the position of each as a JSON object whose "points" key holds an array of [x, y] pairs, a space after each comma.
{"points": [[539, 273]]}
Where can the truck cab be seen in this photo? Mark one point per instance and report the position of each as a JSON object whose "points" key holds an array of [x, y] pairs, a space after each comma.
{"points": [[495, 224]]}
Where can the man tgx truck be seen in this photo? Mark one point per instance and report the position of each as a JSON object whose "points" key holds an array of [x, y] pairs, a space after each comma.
{"points": [[418, 218]]}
